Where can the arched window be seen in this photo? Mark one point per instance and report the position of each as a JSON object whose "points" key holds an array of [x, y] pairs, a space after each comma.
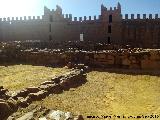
{"points": [[110, 18]]}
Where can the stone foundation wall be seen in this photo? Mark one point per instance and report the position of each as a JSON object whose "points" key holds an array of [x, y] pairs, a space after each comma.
{"points": [[122, 58]]}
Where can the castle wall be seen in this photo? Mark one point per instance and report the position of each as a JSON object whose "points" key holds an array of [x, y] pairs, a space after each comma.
{"points": [[109, 27], [21, 30], [67, 28], [143, 32], [54, 26]]}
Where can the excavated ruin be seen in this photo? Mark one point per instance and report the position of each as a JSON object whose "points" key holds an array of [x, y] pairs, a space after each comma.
{"points": [[79, 60], [9, 103]]}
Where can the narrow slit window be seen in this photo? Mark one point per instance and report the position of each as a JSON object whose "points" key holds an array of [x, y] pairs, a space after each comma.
{"points": [[50, 28], [109, 40], [109, 29], [110, 18]]}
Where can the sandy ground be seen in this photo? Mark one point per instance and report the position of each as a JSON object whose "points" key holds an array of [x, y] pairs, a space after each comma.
{"points": [[111, 94], [114, 94], [17, 77]]}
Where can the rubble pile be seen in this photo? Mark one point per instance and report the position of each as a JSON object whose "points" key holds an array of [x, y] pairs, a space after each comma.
{"points": [[42, 113]]}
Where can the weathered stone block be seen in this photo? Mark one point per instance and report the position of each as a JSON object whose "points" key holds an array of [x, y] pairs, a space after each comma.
{"points": [[47, 87], [5, 110], [126, 62], [3, 91], [65, 84], [33, 89], [56, 79], [133, 59], [23, 102], [79, 117], [134, 66], [13, 104], [110, 59], [86, 58], [150, 64], [56, 89], [22, 93], [154, 55], [38, 96], [47, 82]]}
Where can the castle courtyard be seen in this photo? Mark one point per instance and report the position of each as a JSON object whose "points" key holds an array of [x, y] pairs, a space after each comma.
{"points": [[102, 64], [107, 92]]}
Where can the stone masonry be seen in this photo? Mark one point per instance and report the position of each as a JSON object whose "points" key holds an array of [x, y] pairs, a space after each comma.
{"points": [[109, 27]]}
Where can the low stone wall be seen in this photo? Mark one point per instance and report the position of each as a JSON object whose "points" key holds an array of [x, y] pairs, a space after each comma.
{"points": [[148, 59], [123, 58]]}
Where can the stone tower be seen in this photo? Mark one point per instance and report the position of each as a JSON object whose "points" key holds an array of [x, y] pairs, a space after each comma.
{"points": [[111, 23]]}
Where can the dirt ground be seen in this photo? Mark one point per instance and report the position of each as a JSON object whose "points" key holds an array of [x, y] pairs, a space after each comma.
{"points": [[17, 77], [112, 93]]}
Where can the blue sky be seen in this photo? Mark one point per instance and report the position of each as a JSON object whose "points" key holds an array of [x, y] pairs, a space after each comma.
{"points": [[76, 7]]}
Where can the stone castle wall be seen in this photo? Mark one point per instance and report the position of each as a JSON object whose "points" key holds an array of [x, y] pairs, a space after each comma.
{"points": [[141, 32], [109, 27]]}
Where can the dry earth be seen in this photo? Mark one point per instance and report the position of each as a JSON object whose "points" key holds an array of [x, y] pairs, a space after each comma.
{"points": [[17, 77], [117, 92], [112, 94]]}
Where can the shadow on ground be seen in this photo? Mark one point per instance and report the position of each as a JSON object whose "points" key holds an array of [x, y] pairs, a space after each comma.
{"points": [[128, 71]]}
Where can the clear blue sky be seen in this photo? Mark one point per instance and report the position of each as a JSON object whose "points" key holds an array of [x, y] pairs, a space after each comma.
{"points": [[76, 7]]}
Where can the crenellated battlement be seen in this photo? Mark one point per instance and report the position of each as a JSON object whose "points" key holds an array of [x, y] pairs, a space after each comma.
{"points": [[139, 16], [18, 19], [111, 9], [69, 17], [65, 16], [81, 19]]}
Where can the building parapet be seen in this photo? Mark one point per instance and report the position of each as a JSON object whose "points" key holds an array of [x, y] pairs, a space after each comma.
{"points": [[111, 9], [82, 19], [25, 18], [139, 16]]}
